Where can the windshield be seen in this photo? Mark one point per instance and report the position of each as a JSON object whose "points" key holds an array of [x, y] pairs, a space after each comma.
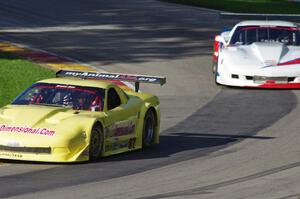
{"points": [[245, 35], [77, 97]]}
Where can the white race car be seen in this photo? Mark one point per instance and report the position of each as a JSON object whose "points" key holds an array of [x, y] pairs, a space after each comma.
{"points": [[263, 54]]}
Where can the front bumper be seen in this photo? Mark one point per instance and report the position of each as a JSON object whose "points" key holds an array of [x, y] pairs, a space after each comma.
{"points": [[264, 82], [44, 154], [273, 77]]}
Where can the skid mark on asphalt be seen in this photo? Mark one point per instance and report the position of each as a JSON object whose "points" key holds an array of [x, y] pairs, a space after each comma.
{"points": [[207, 188]]}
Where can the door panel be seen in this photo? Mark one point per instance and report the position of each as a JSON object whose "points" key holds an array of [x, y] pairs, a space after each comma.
{"points": [[120, 125]]}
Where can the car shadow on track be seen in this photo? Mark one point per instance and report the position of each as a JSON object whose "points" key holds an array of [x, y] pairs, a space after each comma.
{"points": [[169, 144], [216, 126], [234, 115], [182, 142]]}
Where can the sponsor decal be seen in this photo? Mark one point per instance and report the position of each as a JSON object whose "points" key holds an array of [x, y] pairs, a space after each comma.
{"points": [[114, 76], [26, 130], [113, 146], [13, 143], [124, 130], [64, 86], [117, 144], [120, 129], [10, 155]]}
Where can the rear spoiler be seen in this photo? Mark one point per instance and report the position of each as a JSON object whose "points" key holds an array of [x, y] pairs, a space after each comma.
{"points": [[137, 79]]}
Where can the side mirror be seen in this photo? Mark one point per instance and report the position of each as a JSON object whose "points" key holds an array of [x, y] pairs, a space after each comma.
{"points": [[226, 36]]}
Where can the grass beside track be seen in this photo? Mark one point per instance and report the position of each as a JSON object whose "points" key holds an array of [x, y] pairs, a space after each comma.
{"points": [[246, 6], [17, 74]]}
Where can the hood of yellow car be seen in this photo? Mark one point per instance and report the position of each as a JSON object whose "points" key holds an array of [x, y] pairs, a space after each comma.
{"points": [[34, 115], [31, 122]]}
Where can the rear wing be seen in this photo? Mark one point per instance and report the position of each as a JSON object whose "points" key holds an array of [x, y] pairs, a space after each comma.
{"points": [[137, 79]]}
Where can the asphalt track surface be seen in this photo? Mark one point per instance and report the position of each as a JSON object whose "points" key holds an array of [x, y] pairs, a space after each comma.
{"points": [[215, 142]]}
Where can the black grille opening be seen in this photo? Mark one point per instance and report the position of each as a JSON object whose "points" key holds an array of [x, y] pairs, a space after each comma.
{"points": [[234, 76], [249, 77], [291, 79], [46, 150]]}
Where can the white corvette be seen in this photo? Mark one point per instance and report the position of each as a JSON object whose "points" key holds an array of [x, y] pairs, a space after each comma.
{"points": [[262, 54]]}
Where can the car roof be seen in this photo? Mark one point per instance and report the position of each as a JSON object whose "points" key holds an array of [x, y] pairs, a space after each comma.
{"points": [[78, 82], [266, 23]]}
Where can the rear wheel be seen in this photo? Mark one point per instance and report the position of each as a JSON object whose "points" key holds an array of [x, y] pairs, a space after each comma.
{"points": [[96, 143], [214, 68], [149, 129]]}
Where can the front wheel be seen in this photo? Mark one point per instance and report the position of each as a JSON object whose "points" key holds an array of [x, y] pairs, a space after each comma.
{"points": [[215, 72], [96, 143], [149, 129], [214, 68]]}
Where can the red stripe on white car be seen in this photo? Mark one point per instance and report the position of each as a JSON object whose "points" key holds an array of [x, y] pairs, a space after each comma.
{"points": [[280, 86], [295, 61]]}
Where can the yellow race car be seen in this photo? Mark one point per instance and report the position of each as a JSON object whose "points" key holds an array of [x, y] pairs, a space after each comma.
{"points": [[80, 116]]}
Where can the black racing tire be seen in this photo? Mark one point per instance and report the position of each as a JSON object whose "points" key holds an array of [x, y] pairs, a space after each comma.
{"points": [[96, 143], [215, 76], [220, 85], [215, 73], [149, 129], [214, 68]]}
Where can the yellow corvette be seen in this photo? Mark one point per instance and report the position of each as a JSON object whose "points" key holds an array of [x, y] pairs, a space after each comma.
{"points": [[79, 116]]}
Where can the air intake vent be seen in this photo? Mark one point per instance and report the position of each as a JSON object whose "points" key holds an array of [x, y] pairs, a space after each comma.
{"points": [[234, 76], [46, 150], [291, 79]]}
